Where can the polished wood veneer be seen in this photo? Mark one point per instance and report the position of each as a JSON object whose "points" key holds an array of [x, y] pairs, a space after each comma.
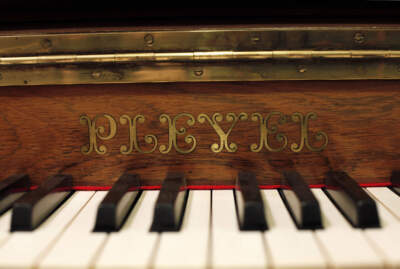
{"points": [[41, 134]]}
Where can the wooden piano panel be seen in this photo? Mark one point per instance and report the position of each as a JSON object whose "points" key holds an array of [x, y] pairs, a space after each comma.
{"points": [[41, 132]]}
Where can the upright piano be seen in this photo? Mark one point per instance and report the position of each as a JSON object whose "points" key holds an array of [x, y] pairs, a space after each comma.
{"points": [[238, 138]]}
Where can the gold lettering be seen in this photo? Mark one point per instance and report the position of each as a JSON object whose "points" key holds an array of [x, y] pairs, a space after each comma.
{"points": [[223, 137], [173, 132], [268, 132], [265, 131], [133, 141], [97, 132], [304, 139]]}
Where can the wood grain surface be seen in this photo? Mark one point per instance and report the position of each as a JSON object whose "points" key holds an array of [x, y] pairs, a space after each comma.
{"points": [[40, 131]]}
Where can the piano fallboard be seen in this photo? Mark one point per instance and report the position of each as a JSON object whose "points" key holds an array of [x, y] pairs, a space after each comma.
{"points": [[205, 102], [97, 132]]}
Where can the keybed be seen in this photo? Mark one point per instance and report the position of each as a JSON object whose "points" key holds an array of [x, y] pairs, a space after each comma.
{"points": [[209, 235]]}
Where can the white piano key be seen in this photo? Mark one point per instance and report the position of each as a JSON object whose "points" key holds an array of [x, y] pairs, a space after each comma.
{"points": [[331, 218], [10, 199], [23, 249], [344, 246], [134, 245], [388, 198], [78, 245], [387, 238], [387, 202], [188, 248], [231, 248], [5, 222], [277, 219], [387, 243], [289, 247]]}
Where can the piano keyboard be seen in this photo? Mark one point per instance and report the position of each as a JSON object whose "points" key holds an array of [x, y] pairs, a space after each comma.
{"points": [[209, 236]]}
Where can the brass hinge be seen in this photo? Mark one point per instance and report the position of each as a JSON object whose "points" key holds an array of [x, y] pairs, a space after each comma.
{"points": [[201, 56], [238, 54]]}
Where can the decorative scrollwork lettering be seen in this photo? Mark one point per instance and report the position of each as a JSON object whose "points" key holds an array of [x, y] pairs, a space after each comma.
{"points": [[304, 139], [265, 131], [173, 132], [103, 127], [97, 132], [133, 141], [223, 137]]}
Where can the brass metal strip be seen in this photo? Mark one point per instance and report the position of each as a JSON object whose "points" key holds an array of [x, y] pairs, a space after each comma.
{"points": [[200, 56], [199, 72], [191, 55], [277, 38]]}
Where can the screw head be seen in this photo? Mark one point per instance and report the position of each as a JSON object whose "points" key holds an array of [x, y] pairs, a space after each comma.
{"points": [[198, 72], [301, 69], [96, 74], [148, 39], [359, 38], [46, 43], [255, 39]]}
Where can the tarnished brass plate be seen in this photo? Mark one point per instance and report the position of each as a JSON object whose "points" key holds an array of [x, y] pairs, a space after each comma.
{"points": [[250, 54]]}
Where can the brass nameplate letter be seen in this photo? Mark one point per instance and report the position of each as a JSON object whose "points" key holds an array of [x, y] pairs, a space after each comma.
{"points": [[266, 131]]}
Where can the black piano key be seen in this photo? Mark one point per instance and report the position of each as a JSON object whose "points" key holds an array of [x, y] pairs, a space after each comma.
{"points": [[34, 207], [395, 180], [300, 201], [249, 203], [171, 203], [354, 203], [117, 204], [7, 187]]}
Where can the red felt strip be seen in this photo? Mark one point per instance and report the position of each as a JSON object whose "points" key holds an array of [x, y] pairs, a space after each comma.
{"points": [[382, 184], [208, 187], [198, 187]]}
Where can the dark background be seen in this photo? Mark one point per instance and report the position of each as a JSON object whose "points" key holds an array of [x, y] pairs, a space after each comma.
{"points": [[19, 14]]}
